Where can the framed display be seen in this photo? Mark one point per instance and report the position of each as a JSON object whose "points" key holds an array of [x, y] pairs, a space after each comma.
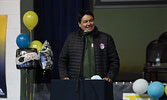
{"points": [[129, 3]]}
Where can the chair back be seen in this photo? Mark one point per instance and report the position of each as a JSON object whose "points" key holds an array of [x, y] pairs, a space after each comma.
{"points": [[154, 48], [163, 37]]}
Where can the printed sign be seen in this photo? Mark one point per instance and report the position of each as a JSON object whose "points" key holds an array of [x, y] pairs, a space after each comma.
{"points": [[133, 96], [3, 26]]}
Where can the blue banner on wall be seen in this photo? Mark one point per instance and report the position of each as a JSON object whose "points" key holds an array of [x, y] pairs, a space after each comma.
{"points": [[3, 26]]}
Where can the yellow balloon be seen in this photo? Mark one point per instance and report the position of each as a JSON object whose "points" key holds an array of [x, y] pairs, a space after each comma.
{"points": [[36, 44], [30, 19], [166, 89]]}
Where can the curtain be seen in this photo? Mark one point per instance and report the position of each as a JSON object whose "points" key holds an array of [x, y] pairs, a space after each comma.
{"points": [[57, 18]]}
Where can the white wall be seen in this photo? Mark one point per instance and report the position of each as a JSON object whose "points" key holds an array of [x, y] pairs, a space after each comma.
{"points": [[12, 9]]}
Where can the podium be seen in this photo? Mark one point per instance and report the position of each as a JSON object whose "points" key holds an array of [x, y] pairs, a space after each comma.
{"points": [[81, 90]]}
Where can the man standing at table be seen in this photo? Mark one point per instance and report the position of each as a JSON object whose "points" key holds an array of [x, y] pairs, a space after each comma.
{"points": [[88, 52]]}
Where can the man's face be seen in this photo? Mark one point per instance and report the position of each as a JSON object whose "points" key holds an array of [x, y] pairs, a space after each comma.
{"points": [[87, 23]]}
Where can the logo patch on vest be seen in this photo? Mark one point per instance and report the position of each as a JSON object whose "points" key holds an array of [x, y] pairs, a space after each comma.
{"points": [[102, 46], [92, 45]]}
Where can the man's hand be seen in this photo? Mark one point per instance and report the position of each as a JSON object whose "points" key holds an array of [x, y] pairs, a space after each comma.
{"points": [[107, 79], [66, 78]]}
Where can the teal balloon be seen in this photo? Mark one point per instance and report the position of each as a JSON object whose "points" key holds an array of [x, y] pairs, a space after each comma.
{"points": [[156, 90], [23, 40]]}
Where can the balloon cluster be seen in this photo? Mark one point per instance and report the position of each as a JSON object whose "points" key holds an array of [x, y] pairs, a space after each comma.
{"points": [[140, 86], [36, 44], [26, 58], [155, 89], [166, 89], [30, 52], [30, 19], [46, 56], [23, 41]]}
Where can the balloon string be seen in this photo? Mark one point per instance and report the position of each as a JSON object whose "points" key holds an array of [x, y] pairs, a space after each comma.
{"points": [[29, 85], [30, 35], [44, 72], [26, 87], [43, 77], [33, 96], [32, 92], [26, 81]]}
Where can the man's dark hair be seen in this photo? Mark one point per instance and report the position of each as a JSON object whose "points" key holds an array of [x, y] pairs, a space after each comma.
{"points": [[82, 13]]}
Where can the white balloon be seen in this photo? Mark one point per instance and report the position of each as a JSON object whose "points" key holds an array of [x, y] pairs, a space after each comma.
{"points": [[140, 86]]}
